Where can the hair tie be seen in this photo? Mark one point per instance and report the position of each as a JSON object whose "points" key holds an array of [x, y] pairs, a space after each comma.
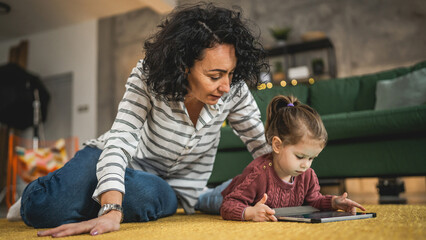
{"points": [[290, 105]]}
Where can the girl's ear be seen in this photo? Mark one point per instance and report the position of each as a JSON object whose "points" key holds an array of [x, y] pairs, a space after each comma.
{"points": [[276, 144]]}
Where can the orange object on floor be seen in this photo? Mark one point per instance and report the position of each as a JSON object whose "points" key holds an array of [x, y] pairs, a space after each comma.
{"points": [[17, 165]]}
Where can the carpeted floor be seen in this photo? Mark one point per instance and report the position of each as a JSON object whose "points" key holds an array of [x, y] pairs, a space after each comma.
{"points": [[392, 222]]}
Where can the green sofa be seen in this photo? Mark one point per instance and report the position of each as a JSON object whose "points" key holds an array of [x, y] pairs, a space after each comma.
{"points": [[363, 142]]}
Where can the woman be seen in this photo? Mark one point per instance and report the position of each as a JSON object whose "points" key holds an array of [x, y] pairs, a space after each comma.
{"points": [[162, 145]]}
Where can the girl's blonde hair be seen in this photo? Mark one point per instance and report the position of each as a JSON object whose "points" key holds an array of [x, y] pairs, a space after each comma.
{"points": [[289, 119]]}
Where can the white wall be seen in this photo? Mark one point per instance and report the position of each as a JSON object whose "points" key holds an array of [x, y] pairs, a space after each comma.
{"points": [[69, 49]]}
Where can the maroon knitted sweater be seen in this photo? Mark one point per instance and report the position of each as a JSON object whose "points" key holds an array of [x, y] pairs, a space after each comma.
{"points": [[258, 178]]}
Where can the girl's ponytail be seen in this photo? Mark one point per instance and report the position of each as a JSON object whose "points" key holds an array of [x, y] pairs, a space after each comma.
{"points": [[290, 120], [277, 104]]}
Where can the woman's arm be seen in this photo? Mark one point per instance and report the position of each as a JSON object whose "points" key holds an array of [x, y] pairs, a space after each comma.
{"points": [[113, 197], [123, 138], [244, 118], [120, 145], [106, 223]]}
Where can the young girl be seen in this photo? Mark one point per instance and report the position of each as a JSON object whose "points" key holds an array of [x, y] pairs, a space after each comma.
{"points": [[283, 178]]}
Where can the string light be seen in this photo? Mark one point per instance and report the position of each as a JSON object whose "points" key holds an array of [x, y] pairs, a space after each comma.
{"points": [[311, 81], [269, 85], [283, 83], [294, 82], [261, 86]]}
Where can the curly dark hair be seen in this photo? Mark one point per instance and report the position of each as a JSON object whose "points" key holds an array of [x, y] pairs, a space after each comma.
{"points": [[182, 38]]}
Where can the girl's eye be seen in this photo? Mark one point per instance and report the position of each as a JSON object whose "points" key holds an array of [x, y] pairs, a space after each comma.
{"points": [[299, 157]]}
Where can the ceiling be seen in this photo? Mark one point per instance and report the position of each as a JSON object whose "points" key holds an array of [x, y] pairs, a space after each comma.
{"points": [[32, 16]]}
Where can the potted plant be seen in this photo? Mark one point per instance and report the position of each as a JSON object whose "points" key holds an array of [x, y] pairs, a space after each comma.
{"points": [[280, 34]]}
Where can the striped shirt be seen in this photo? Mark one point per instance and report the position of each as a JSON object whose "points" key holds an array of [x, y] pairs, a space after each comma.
{"points": [[157, 136]]}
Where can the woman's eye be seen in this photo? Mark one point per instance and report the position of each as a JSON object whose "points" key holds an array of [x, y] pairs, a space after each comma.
{"points": [[215, 78], [299, 157]]}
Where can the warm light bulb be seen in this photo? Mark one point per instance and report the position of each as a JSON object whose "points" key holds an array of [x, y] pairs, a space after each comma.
{"points": [[269, 85], [311, 81], [283, 83], [261, 86], [294, 82]]}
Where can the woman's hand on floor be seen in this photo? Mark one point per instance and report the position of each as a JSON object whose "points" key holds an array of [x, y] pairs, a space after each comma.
{"points": [[107, 223]]}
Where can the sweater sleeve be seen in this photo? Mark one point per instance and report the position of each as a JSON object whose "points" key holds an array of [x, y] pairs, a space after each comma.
{"points": [[313, 196], [240, 194]]}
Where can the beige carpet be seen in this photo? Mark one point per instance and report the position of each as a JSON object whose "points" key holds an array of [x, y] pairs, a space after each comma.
{"points": [[392, 222]]}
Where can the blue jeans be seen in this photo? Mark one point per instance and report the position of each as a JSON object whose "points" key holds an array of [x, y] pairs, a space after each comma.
{"points": [[65, 195], [211, 200]]}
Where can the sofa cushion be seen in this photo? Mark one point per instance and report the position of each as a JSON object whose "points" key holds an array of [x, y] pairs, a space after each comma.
{"points": [[375, 123], [367, 89], [263, 97], [407, 90], [334, 96]]}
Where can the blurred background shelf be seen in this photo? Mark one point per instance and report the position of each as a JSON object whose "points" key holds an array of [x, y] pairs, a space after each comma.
{"points": [[304, 54]]}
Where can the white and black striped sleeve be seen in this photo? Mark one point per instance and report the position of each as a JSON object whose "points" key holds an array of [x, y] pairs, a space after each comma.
{"points": [[244, 118], [122, 140]]}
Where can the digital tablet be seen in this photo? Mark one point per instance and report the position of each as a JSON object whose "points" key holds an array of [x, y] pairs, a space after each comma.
{"points": [[312, 215]]}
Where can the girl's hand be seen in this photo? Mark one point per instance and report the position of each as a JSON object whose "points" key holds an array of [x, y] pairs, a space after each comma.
{"points": [[260, 212], [107, 223], [345, 204]]}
